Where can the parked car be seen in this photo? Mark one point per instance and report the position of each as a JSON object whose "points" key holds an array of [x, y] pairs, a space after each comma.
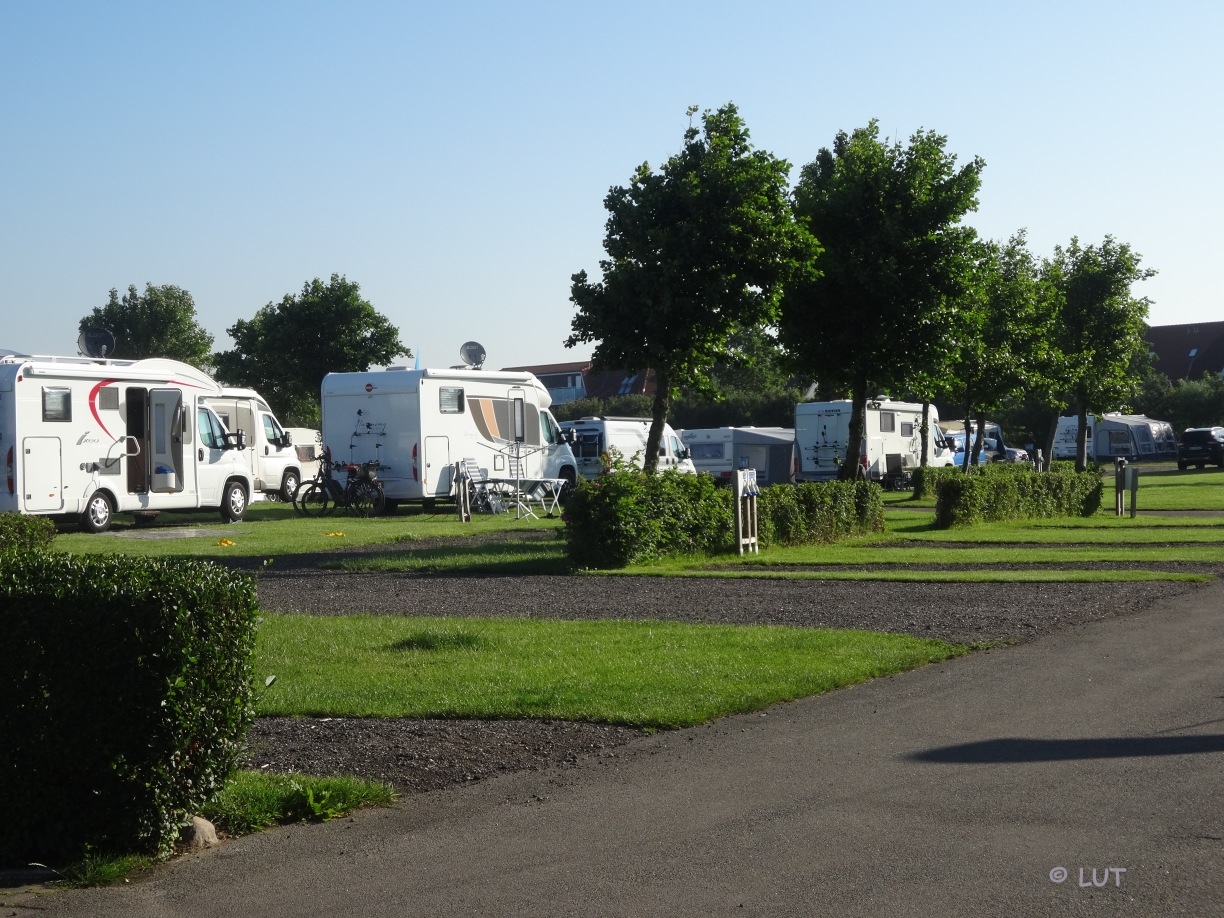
{"points": [[1200, 445]]}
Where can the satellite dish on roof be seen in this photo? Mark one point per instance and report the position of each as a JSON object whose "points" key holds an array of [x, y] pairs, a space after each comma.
{"points": [[473, 354], [96, 342]]}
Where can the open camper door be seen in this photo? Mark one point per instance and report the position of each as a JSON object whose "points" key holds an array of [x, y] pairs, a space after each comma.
{"points": [[165, 440]]}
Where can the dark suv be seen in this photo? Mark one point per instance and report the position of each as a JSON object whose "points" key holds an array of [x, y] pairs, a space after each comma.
{"points": [[1200, 445]]}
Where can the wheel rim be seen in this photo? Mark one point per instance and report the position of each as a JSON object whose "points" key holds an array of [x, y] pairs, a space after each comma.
{"points": [[99, 512], [237, 501], [291, 485]]}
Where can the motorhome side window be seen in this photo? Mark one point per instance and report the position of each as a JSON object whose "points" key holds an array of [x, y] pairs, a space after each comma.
{"points": [[57, 404], [450, 401], [272, 430], [888, 422], [907, 428], [706, 451], [549, 429]]}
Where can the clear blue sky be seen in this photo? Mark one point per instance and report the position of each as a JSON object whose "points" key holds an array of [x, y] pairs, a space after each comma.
{"points": [[452, 158]]}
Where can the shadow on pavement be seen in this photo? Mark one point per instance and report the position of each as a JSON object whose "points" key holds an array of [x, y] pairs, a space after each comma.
{"points": [[1058, 750]]}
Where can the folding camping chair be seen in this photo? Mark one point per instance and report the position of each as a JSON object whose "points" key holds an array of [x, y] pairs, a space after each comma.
{"points": [[484, 497]]}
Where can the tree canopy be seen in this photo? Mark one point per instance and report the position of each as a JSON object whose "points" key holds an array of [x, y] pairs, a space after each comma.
{"points": [[894, 264], [161, 322], [287, 348], [1098, 327], [696, 251]]}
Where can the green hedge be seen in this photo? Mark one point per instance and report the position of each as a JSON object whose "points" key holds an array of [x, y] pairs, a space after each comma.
{"points": [[1014, 493], [125, 695], [25, 533], [625, 517], [807, 513]]}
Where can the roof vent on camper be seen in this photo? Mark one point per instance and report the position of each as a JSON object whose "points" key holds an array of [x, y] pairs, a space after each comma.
{"points": [[472, 354], [96, 342]]}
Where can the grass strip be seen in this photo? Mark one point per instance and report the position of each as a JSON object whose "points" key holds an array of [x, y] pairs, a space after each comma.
{"points": [[992, 575], [254, 800], [644, 674]]}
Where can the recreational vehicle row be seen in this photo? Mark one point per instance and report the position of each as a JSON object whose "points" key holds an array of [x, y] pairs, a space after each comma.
{"points": [[1116, 436], [91, 438], [892, 438], [417, 424], [721, 451], [592, 438]]}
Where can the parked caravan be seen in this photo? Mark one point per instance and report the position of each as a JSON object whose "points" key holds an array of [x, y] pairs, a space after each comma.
{"points": [[418, 423], [275, 464], [722, 450], [590, 438], [1116, 436], [91, 438], [890, 429]]}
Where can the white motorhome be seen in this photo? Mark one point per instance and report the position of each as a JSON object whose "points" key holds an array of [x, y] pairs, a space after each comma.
{"points": [[91, 438], [592, 437], [720, 451], [1116, 436], [419, 423], [270, 450], [890, 429]]}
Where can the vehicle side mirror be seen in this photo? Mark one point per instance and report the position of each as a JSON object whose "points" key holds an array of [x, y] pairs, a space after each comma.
{"points": [[235, 440], [286, 439]]}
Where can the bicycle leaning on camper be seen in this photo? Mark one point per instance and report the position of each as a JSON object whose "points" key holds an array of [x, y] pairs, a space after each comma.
{"points": [[361, 493]]}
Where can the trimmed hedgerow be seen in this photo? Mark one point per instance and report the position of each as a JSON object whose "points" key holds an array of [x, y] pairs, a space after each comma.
{"points": [[124, 699], [1018, 493], [25, 533], [627, 517], [812, 512]]}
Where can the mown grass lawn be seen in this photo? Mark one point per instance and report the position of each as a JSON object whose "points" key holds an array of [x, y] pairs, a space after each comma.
{"points": [[646, 674]]}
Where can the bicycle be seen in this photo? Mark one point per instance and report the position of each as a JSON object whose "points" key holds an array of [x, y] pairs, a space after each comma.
{"points": [[361, 494]]}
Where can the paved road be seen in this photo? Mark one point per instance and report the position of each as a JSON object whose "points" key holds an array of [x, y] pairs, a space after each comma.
{"points": [[953, 790]]}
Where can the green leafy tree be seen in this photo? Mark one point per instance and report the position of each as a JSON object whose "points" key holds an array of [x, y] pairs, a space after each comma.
{"points": [[1003, 333], [287, 348], [696, 252], [881, 311], [161, 322], [1098, 328]]}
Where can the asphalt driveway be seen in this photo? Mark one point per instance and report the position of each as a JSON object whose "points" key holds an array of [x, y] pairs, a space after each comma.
{"points": [[1080, 773]]}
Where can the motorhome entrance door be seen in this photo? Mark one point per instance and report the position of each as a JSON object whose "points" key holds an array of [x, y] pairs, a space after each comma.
{"points": [[165, 442]]}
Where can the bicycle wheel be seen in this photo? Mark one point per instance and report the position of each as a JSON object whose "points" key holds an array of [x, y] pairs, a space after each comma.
{"points": [[366, 498], [314, 500]]}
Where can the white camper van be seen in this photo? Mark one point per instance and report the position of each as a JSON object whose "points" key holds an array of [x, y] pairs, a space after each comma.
{"points": [[91, 438], [1116, 436], [419, 423], [720, 451], [270, 450], [890, 429], [592, 437]]}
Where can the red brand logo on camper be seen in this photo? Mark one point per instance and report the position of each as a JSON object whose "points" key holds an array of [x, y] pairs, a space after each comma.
{"points": [[369, 387]]}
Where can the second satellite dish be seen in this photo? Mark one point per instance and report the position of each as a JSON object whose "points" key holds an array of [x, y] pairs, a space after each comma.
{"points": [[472, 354], [96, 342]]}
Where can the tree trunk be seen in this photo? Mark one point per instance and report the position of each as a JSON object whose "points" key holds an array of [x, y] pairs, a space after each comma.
{"points": [[852, 468], [980, 440], [1081, 439], [924, 432], [1049, 450], [968, 435], [662, 403]]}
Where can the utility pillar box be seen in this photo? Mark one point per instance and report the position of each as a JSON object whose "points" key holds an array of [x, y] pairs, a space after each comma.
{"points": [[1126, 478]]}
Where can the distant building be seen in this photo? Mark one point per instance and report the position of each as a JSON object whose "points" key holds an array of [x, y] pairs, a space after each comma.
{"points": [[567, 382], [1187, 351]]}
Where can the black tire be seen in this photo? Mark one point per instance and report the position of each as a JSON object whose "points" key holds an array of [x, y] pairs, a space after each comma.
{"points": [[233, 502], [1181, 466], [289, 486], [571, 477], [367, 499], [98, 513], [314, 500]]}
